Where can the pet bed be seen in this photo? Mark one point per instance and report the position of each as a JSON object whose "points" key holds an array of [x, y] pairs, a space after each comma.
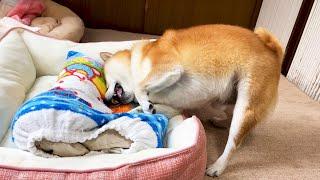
{"points": [[29, 64], [44, 16]]}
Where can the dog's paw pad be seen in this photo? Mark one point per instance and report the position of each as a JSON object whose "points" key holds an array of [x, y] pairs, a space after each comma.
{"points": [[215, 174], [147, 107], [212, 173], [151, 107], [216, 169]]}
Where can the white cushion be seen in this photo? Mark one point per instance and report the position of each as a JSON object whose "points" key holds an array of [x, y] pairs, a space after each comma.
{"points": [[49, 59], [48, 54], [42, 84], [17, 74]]}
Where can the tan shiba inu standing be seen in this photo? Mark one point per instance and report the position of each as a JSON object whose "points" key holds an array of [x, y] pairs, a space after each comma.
{"points": [[200, 68]]}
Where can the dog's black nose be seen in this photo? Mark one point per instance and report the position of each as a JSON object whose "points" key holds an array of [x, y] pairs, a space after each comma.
{"points": [[154, 111]]}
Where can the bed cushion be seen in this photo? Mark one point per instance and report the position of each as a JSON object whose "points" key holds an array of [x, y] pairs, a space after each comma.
{"points": [[184, 155], [98, 35], [17, 74]]}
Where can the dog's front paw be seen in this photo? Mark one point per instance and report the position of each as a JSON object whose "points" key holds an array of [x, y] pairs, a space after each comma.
{"points": [[166, 110], [216, 169], [136, 110], [148, 107], [140, 109], [143, 99], [220, 123]]}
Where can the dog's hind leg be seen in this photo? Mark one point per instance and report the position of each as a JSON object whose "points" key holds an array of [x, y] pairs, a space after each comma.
{"points": [[252, 105], [221, 115]]}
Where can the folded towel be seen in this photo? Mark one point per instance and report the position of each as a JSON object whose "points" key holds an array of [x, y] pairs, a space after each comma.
{"points": [[73, 112]]}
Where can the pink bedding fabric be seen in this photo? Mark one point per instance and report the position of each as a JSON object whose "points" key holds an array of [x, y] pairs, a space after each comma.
{"points": [[26, 10], [188, 163]]}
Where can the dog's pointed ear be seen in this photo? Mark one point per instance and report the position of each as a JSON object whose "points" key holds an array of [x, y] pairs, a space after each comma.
{"points": [[159, 81], [105, 55]]}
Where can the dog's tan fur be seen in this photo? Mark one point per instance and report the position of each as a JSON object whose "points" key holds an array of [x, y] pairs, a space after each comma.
{"points": [[208, 65]]}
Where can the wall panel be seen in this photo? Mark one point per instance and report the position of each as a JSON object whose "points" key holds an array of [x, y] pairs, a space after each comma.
{"points": [[164, 14], [279, 17], [154, 16], [125, 15], [305, 67]]}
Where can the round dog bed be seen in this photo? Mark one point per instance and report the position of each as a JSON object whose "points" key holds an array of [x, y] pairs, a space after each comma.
{"points": [[29, 64]]}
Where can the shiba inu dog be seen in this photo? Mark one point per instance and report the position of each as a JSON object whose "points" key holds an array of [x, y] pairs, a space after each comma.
{"points": [[198, 69]]}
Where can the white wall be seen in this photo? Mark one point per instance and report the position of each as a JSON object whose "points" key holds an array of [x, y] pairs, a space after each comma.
{"points": [[279, 16], [305, 67]]}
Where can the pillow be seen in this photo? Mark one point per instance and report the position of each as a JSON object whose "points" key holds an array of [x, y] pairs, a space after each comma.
{"points": [[17, 74]]}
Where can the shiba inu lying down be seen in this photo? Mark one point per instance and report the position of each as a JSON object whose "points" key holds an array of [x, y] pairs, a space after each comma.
{"points": [[200, 68]]}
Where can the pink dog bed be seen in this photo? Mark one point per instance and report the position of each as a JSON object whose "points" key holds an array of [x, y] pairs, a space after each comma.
{"points": [[34, 62], [187, 163]]}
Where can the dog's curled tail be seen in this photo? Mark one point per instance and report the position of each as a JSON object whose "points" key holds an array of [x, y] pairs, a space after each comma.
{"points": [[270, 41]]}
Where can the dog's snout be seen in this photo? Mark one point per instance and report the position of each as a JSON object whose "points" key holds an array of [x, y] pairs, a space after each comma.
{"points": [[118, 90], [121, 96]]}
